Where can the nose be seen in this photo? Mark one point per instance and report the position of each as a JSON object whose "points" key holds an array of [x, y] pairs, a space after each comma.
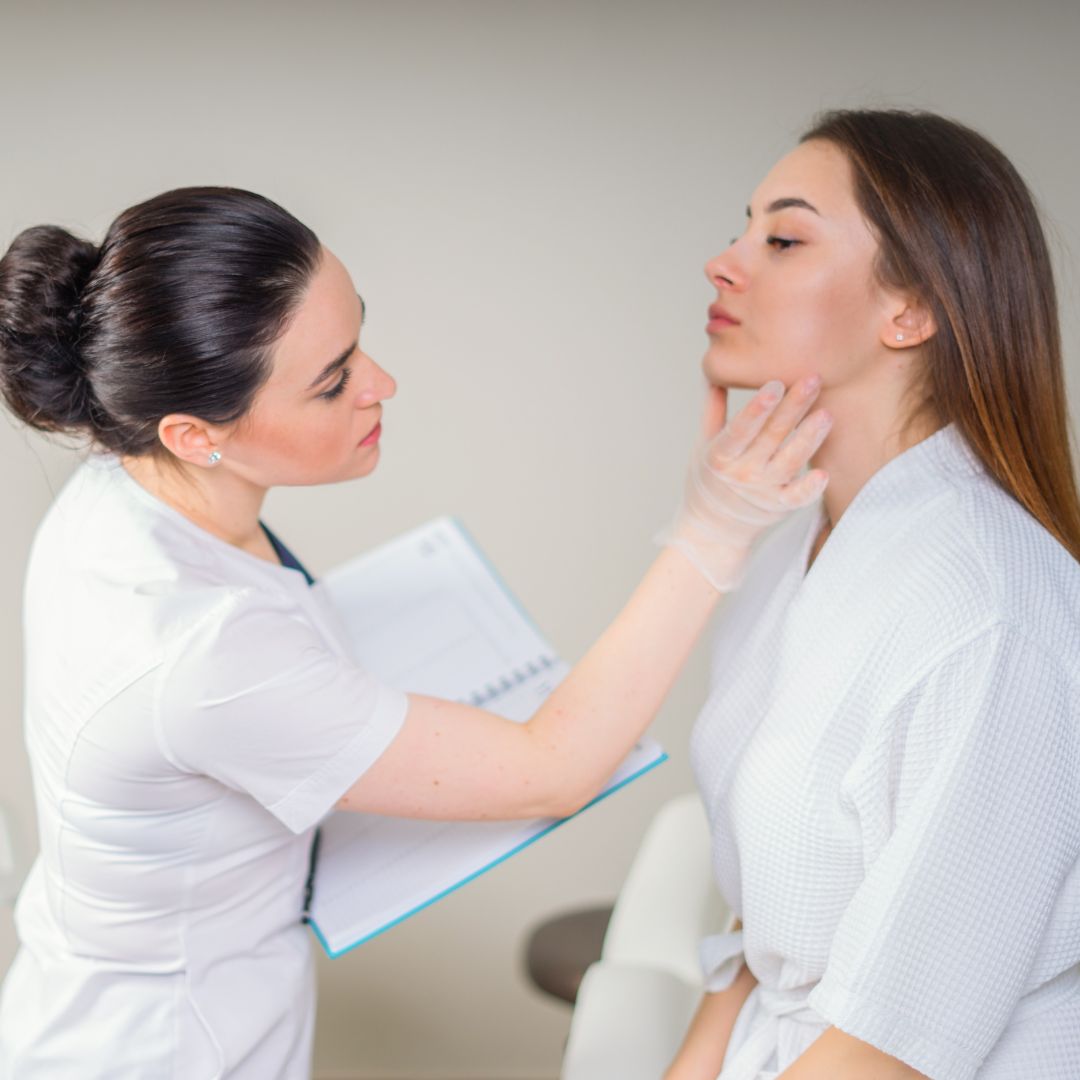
{"points": [[722, 271], [376, 385]]}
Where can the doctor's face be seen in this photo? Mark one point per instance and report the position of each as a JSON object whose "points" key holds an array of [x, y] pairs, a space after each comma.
{"points": [[797, 293], [318, 418]]}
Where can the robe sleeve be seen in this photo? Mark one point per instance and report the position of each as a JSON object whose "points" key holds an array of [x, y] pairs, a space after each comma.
{"points": [[939, 942]]}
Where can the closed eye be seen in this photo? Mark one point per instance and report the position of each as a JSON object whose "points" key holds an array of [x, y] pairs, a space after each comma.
{"points": [[781, 243], [337, 389]]}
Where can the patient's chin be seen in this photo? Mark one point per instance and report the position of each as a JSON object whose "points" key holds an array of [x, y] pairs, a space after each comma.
{"points": [[721, 371]]}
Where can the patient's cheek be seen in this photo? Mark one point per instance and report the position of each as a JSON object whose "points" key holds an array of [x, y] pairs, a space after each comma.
{"points": [[826, 325], [833, 334]]}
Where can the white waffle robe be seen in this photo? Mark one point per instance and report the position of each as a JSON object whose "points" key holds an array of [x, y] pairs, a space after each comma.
{"points": [[890, 761]]}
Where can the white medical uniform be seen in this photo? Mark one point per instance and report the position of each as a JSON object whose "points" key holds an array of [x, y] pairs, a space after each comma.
{"points": [[890, 761], [191, 714]]}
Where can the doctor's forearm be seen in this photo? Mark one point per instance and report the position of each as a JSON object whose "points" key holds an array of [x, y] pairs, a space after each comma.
{"points": [[603, 706], [451, 761]]}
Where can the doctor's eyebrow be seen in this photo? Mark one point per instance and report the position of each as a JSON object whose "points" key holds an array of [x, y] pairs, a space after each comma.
{"points": [[341, 360], [786, 204]]}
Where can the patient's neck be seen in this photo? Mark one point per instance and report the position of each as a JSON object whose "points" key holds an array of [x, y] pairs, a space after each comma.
{"points": [[869, 430]]}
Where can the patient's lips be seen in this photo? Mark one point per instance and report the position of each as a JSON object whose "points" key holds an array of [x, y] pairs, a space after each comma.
{"points": [[719, 319]]}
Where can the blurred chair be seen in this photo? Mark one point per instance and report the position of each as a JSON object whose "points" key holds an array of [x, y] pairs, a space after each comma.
{"points": [[636, 1001], [561, 949]]}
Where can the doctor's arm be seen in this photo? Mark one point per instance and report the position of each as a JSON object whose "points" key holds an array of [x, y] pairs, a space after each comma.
{"points": [[453, 761]]}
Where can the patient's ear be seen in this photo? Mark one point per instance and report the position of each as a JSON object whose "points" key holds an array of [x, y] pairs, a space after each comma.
{"points": [[907, 323]]}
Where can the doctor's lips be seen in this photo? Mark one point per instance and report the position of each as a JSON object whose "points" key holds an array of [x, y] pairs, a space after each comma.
{"points": [[719, 319], [372, 436]]}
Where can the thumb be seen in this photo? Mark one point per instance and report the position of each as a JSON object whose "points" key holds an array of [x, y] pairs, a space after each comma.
{"points": [[715, 412]]}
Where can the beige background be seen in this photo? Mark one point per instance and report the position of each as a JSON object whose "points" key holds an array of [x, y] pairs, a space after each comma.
{"points": [[525, 194]]}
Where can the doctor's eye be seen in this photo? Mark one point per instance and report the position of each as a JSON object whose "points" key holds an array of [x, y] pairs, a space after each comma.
{"points": [[338, 387]]}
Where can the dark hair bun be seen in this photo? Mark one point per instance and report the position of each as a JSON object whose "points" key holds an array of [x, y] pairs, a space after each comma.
{"points": [[42, 377], [176, 312]]}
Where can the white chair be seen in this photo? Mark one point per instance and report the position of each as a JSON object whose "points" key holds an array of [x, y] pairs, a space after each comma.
{"points": [[637, 1000]]}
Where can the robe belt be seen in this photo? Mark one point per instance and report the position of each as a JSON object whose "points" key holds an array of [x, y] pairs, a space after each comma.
{"points": [[721, 958], [779, 1006]]}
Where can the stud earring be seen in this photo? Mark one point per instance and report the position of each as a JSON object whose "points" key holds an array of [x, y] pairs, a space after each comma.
{"points": [[899, 337], [215, 457]]}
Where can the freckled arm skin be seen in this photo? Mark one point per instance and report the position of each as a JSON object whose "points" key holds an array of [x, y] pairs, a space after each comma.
{"points": [[453, 761]]}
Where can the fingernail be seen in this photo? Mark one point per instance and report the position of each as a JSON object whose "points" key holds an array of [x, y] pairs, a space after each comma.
{"points": [[773, 391], [813, 383]]}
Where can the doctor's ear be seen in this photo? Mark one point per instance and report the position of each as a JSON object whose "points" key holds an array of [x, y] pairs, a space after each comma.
{"points": [[190, 439], [911, 325]]}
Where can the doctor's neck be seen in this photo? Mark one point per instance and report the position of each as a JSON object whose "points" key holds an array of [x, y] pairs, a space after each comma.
{"points": [[216, 499]]}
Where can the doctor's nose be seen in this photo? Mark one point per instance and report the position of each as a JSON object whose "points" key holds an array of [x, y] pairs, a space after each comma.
{"points": [[378, 385]]}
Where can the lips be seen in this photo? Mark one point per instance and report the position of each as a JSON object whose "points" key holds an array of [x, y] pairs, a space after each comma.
{"points": [[718, 315], [372, 436]]}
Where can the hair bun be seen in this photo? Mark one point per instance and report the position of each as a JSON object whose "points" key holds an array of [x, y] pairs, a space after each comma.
{"points": [[42, 276]]}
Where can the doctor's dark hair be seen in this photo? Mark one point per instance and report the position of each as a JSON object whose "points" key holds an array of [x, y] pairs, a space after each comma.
{"points": [[174, 313], [958, 229]]}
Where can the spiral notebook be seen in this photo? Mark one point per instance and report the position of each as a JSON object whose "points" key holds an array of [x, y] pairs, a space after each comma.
{"points": [[429, 614]]}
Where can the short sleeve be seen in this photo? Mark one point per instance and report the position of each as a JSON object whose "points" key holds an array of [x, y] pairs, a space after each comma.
{"points": [[939, 942], [258, 700]]}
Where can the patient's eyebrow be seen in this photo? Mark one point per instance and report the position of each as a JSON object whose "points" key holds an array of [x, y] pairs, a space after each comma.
{"points": [[787, 204]]}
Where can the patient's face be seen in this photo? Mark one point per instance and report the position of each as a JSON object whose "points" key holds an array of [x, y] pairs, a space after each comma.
{"points": [[797, 291]]}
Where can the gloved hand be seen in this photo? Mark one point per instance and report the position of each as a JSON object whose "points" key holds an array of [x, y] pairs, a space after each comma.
{"points": [[744, 477]]}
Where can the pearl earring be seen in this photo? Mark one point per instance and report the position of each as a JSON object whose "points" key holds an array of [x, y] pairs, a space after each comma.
{"points": [[215, 457], [899, 337]]}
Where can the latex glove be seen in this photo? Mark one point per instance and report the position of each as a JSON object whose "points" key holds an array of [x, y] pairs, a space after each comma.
{"points": [[745, 476]]}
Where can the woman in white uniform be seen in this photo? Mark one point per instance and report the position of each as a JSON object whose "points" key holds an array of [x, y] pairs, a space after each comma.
{"points": [[890, 753], [191, 712]]}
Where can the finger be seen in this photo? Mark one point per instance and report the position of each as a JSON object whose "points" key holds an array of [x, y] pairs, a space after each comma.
{"points": [[744, 428], [714, 413], [805, 490], [804, 442], [796, 404]]}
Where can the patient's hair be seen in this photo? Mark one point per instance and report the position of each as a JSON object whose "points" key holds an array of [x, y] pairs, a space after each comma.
{"points": [[175, 312], [958, 228]]}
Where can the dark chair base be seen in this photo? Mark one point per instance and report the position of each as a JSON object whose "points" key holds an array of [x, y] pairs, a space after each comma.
{"points": [[560, 950]]}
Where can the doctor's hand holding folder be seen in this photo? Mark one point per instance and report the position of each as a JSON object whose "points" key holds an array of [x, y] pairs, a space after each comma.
{"points": [[427, 614]]}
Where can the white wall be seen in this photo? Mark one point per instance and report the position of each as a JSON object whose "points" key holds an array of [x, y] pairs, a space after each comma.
{"points": [[525, 194]]}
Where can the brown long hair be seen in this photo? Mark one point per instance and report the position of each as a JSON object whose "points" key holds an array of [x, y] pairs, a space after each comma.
{"points": [[958, 229]]}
